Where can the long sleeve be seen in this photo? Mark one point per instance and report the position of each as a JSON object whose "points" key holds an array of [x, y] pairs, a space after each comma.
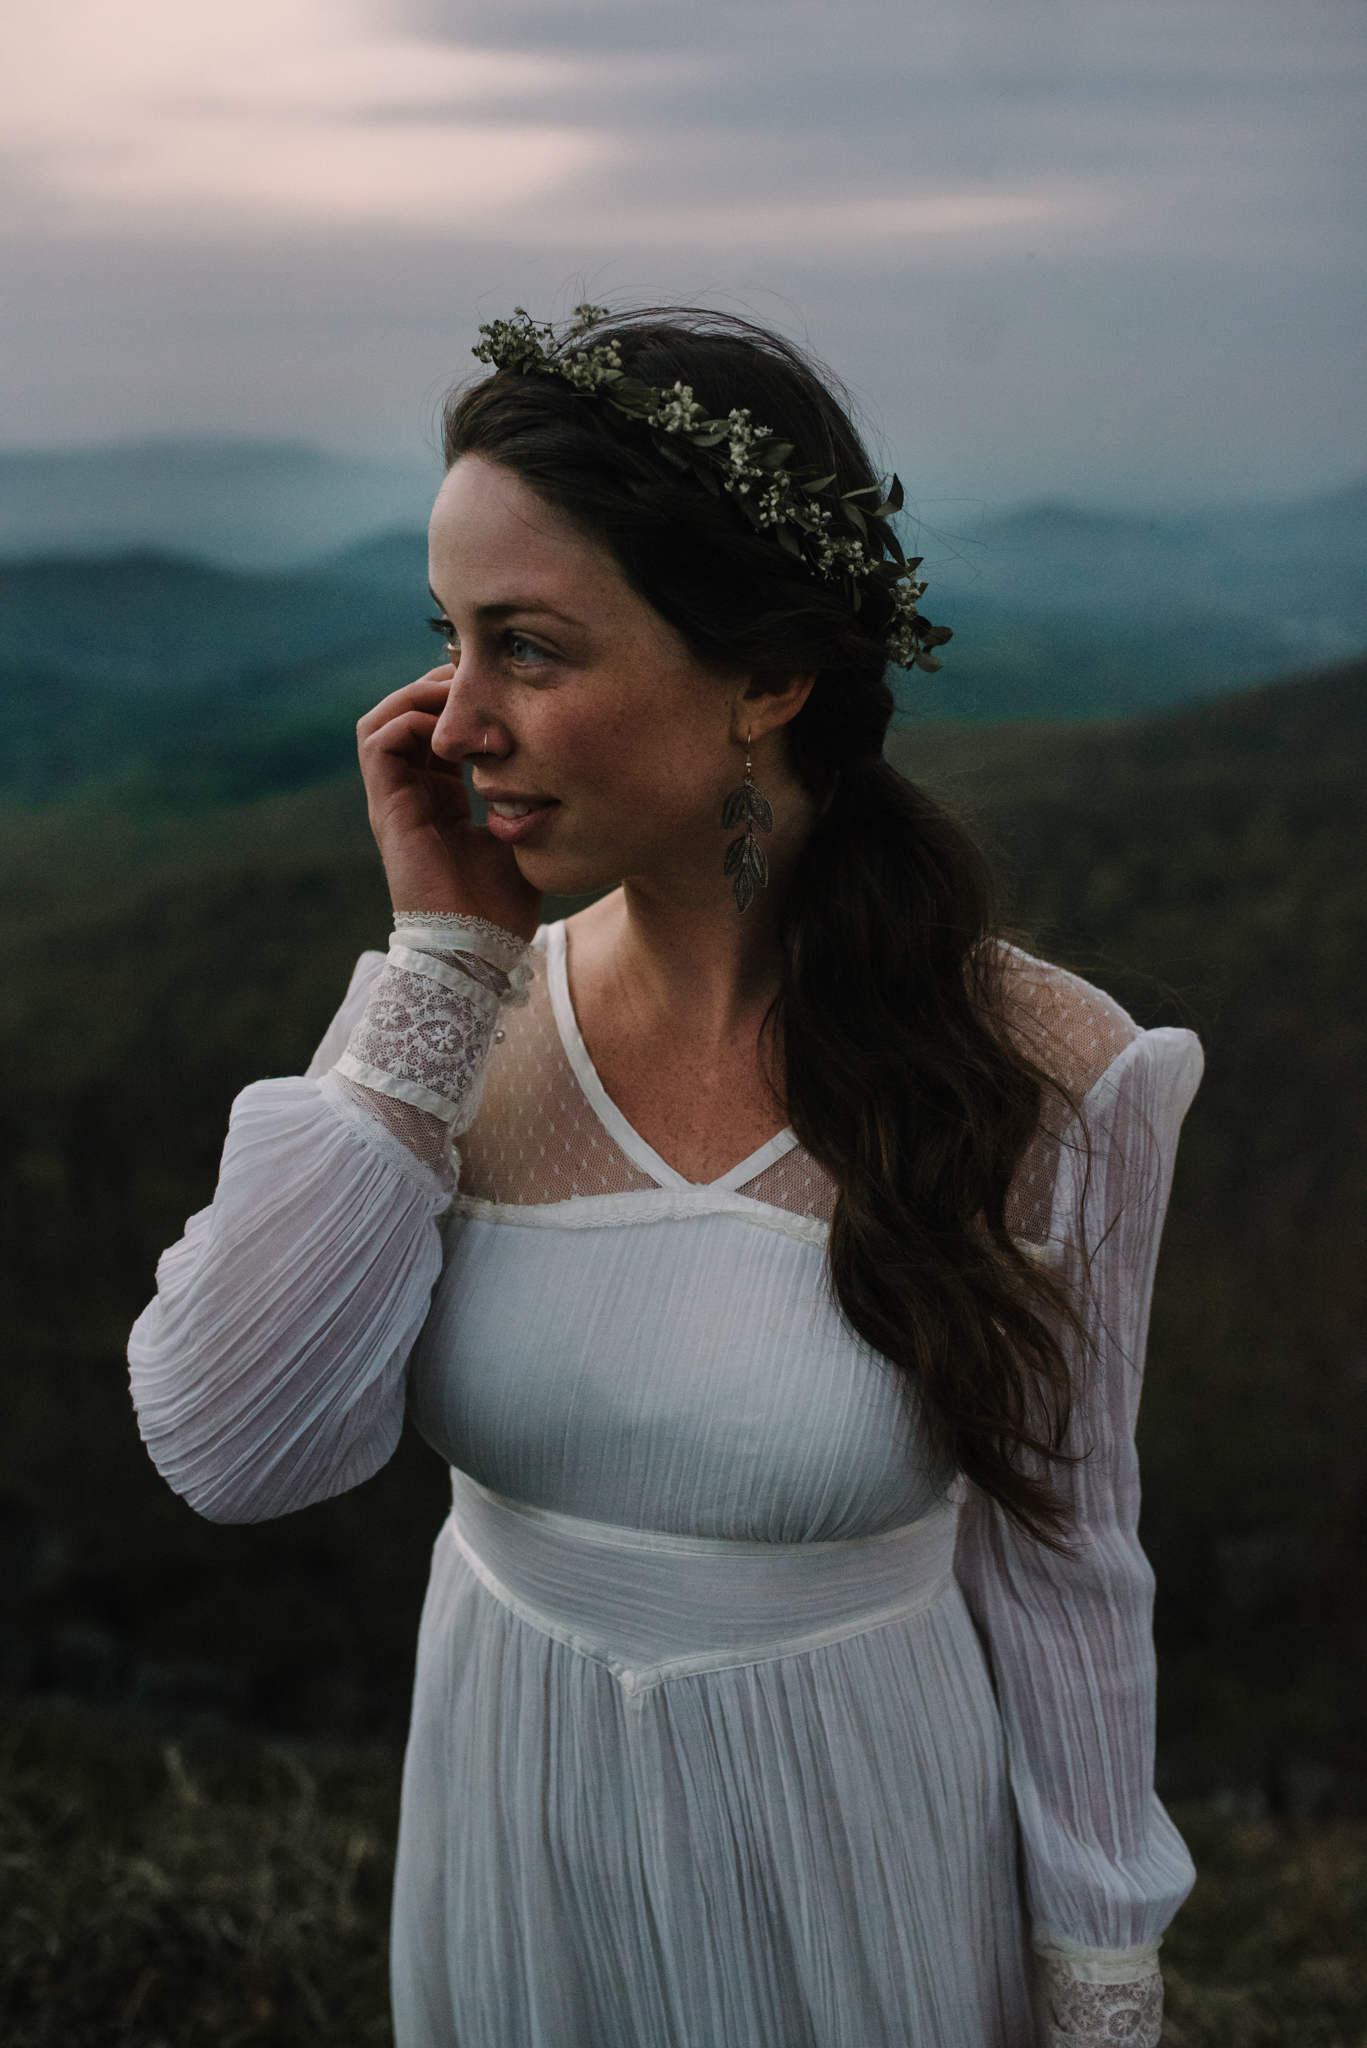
{"points": [[268, 1371], [1069, 1638]]}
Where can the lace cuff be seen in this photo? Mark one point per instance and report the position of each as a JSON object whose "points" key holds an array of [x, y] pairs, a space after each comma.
{"points": [[425, 1033], [1093, 1997], [473, 942]]}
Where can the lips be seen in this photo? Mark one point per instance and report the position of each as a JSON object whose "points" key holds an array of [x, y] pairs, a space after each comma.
{"points": [[514, 819]]}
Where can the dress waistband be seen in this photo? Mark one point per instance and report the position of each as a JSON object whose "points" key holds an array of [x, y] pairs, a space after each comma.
{"points": [[652, 1606]]}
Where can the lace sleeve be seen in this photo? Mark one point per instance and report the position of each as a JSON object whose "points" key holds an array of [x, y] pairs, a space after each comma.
{"points": [[413, 1065]]}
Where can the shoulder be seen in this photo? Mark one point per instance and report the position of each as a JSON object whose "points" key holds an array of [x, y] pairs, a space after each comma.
{"points": [[1072, 1031], [1087, 1044]]}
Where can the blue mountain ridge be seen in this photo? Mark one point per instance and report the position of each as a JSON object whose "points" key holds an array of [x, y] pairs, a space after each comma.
{"points": [[149, 662]]}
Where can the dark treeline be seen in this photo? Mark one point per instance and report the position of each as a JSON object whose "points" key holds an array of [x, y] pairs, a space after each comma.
{"points": [[1206, 866]]}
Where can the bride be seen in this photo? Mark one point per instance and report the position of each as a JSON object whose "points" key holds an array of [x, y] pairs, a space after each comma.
{"points": [[785, 1678]]}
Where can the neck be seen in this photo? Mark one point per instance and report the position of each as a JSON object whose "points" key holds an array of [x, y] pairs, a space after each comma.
{"points": [[675, 947]]}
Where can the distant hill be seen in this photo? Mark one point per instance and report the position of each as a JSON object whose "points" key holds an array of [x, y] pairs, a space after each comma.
{"points": [[158, 620], [1059, 611], [256, 505], [204, 681]]}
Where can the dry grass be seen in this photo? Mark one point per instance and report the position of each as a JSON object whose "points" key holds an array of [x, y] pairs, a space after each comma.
{"points": [[233, 1893], [205, 1895], [1271, 1949]]}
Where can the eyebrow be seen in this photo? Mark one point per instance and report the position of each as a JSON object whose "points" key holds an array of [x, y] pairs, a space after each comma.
{"points": [[507, 611]]}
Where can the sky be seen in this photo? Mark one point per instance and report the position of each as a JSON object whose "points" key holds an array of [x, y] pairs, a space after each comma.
{"points": [[1110, 250]]}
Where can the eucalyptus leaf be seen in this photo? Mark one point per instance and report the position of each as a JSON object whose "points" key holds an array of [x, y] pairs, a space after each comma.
{"points": [[834, 535]]}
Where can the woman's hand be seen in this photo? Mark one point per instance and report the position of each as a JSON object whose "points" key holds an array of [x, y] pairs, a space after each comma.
{"points": [[435, 858]]}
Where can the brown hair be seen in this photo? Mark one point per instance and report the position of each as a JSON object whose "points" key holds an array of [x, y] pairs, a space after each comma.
{"points": [[898, 1072]]}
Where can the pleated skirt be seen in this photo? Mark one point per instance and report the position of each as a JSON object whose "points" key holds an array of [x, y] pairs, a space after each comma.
{"points": [[806, 1850]]}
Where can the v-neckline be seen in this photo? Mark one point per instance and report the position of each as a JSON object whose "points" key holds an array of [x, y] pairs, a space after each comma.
{"points": [[605, 1109]]}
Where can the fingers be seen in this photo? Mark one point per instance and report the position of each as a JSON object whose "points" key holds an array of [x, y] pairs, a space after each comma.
{"points": [[428, 695]]}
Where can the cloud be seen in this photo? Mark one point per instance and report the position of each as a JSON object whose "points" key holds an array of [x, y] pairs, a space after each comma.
{"points": [[275, 112], [1112, 246]]}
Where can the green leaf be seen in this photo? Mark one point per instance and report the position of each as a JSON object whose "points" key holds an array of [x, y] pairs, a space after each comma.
{"points": [[630, 392]]}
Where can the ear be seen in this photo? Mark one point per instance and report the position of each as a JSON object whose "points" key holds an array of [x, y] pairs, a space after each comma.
{"points": [[769, 699]]}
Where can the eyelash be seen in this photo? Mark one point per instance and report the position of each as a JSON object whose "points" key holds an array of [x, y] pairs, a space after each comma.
{"points": [[448, 634]]}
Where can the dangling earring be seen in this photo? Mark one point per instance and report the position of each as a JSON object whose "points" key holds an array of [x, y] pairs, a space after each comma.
{"points": [[745, 861]]}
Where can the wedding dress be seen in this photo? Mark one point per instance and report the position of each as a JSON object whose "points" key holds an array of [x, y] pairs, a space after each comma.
{"points": [[739, 1721]]}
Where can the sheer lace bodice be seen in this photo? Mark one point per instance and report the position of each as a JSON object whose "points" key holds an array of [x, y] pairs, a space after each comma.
{"points": [[535, 1137]]}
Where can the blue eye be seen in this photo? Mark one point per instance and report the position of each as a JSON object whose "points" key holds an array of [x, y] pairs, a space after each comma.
{"points": [[448, 634], [524, 650]]}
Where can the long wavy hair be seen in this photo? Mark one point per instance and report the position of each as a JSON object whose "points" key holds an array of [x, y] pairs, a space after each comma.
{"points": [[889, 1032]]}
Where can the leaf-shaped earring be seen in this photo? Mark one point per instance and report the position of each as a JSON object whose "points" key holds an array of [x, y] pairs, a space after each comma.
{"points": [[745, 861]]}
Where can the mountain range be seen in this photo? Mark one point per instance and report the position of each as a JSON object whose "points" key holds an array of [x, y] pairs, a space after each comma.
{"points": [[187, 680]]}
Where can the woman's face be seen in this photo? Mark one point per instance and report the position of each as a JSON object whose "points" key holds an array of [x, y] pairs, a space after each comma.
{"points": [[602, 745]]}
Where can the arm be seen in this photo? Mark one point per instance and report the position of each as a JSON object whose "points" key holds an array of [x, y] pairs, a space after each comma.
{"points": [[1070, 1638], [269, 1370]]}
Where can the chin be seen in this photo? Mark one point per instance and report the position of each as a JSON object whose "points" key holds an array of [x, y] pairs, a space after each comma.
{"points": [[566, 875]]}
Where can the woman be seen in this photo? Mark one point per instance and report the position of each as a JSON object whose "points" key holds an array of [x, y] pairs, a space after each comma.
{"points": [[785, 1676]]}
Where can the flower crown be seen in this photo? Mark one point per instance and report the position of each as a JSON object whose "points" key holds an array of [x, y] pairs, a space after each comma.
{"points": [[830, 532]]}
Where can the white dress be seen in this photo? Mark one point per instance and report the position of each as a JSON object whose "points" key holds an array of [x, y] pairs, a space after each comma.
{"points": [[738, 1722]]}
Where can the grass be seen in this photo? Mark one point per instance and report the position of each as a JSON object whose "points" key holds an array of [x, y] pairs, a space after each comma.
{"points": [[211, 1894], [225, 1891], [1271, 1950]]}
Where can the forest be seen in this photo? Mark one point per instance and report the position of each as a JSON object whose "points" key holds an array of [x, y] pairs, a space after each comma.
{"points": [[201, 1724]]}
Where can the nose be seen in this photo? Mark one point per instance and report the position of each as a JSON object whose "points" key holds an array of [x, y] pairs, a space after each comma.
{"points": [[466, 728]]}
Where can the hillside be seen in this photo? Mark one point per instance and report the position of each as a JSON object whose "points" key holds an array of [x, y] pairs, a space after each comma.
{"points": [[1208, 866], [187, 683]]}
